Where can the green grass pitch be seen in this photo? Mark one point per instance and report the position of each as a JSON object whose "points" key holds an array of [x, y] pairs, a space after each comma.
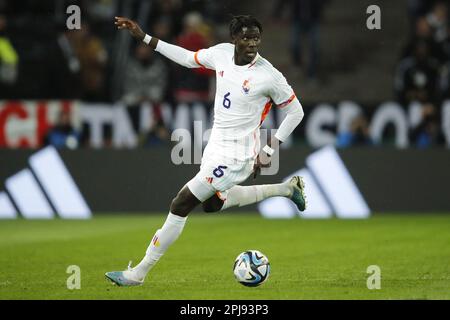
{"points": [[310, 259]]}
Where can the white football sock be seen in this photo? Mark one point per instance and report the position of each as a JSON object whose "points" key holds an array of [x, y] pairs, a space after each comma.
{"points": [[161, 241], [242, 196]]}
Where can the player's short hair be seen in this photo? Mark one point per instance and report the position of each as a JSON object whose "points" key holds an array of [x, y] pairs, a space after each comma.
{"points": [[238, 22]]}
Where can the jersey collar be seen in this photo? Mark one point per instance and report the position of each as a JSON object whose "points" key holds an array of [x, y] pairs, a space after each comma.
{"points": [[246, 66]]}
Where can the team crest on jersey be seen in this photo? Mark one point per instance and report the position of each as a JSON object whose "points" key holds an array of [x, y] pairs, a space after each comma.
{"points": [[246, 86]]}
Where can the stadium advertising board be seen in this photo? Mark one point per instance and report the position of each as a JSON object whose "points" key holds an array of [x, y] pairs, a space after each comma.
{"points": [[382, 179], [24, 123]]}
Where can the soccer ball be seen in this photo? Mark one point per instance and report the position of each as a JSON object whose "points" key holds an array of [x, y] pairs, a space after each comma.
{"points": [[251, 268]]}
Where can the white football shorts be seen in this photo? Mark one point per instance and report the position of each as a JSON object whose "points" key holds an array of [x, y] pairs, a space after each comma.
{"points": [[218, 174]]}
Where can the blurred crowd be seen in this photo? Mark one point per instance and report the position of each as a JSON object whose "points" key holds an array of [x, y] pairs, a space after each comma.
{"points": [[40, 58], [423, 71], [422, 76], [88, 63]]}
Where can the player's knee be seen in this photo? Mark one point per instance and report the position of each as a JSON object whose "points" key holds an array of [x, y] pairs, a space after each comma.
{"points": [[173, 204], [178, 204], [183, 203]]}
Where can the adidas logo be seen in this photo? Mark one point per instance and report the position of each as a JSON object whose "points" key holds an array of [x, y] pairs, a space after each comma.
{"points": [[44, 189], [329, 189]]}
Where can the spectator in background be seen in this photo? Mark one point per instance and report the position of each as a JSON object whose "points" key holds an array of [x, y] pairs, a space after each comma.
{"points": [[427, 133], [430, 26], [438, 20], [417, 76], [358, 134], [146, 77], [305, 23], [192, 85], [146, 80], [9, 59], [63, 134], [158, 133], [65, 68], [92, 57], [423, 32], [439, 23]]}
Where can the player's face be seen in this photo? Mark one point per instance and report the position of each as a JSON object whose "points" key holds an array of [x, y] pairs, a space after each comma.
{"points": [[246, 44]]}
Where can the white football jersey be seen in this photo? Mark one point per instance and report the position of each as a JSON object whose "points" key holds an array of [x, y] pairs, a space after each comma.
{"points": [[244, 96]]}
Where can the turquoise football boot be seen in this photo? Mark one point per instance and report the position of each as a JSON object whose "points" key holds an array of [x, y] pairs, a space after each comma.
{"points": [[298, 195], [124, 278]]}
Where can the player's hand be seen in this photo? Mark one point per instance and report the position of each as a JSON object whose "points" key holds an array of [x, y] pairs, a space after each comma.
{"points": [[132, 26], [258, 165]]}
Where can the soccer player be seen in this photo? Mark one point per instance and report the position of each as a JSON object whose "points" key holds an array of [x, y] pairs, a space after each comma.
{"points": [[247, 86]]}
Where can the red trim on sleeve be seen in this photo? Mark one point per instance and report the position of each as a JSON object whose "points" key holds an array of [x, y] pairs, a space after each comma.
{"points": [[196, 59], [285, 103]]}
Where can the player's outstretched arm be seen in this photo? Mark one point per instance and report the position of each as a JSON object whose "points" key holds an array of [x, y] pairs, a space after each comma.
{"points": [[175, 53]]}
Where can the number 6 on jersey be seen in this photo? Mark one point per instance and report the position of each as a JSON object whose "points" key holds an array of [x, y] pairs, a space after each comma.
{"points": [[226, 101], [218, 172]]}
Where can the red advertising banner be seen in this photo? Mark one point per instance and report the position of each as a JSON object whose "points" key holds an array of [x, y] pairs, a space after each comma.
{"points": [[24, 124]]}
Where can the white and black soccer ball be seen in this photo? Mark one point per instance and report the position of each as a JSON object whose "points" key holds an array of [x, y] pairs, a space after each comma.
{"points": [[251, 268]]}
